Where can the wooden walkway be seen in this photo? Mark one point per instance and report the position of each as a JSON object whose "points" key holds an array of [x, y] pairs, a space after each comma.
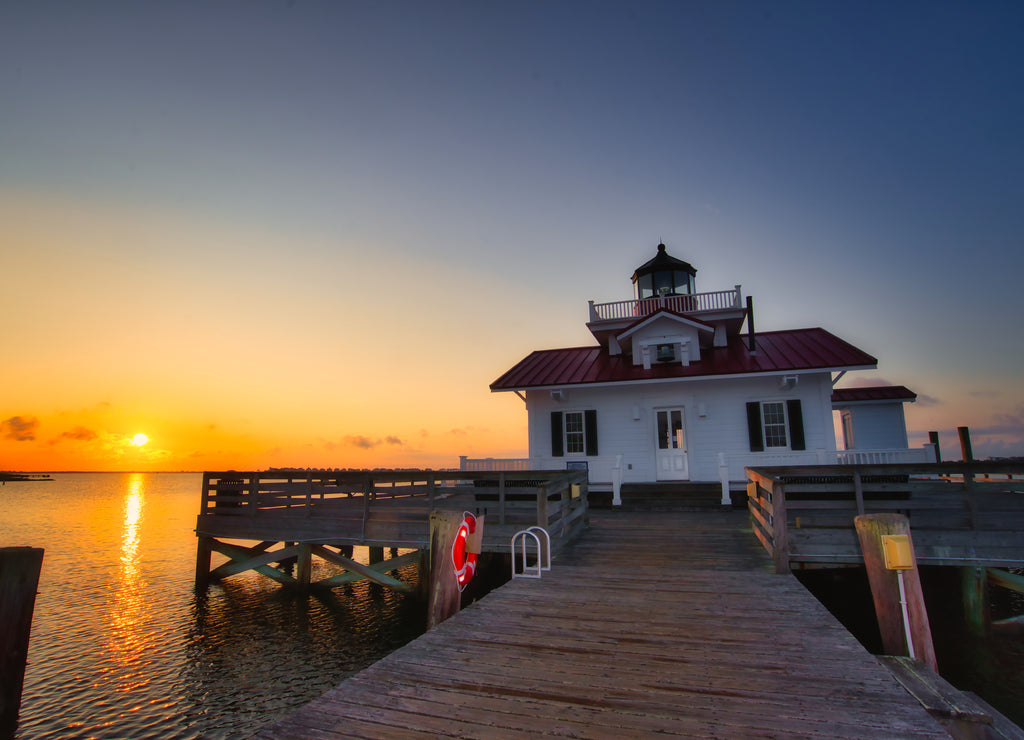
{"points": [[652, 623]]}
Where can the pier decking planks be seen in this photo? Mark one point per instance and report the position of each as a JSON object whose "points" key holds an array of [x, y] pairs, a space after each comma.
{"points": [[652, 623]]}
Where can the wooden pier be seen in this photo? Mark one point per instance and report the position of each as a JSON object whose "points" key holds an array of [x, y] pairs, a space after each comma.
{"points": [[651, 623], [961, 514], [276, 522]]}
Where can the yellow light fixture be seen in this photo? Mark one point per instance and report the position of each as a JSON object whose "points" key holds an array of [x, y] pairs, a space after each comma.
{"points": [[899, 555]]}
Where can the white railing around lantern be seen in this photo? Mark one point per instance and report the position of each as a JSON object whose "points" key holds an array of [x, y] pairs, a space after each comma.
{"points": [[718, 300]]}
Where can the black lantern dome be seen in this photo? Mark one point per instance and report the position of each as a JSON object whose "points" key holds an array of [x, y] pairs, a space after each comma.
{"points": [[663, 275]]}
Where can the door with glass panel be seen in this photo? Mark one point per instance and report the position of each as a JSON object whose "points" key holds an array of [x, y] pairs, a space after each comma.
{"points": [[670, 452]]}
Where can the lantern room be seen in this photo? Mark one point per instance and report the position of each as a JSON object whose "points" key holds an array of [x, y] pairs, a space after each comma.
{"points": [[663, 276]]}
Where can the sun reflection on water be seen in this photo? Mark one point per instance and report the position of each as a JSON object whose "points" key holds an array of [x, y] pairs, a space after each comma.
{"points": [[127, 628]]}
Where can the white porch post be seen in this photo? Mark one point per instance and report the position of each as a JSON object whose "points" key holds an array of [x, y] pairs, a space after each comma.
{"points": [[617, 481], [723, 476]]}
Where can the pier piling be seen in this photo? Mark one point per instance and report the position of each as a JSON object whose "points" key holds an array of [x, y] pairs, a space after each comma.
{"points": [[19, 579]]}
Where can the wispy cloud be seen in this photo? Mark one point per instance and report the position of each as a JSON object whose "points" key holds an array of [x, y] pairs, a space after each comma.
{"points": [[367, 443], [78, 434], [19, 428]]}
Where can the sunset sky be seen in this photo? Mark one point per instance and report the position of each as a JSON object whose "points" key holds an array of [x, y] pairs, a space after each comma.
{"points": [[311, 233]]}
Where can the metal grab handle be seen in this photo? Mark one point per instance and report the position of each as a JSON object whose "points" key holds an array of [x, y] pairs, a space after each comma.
{"points": [[543, 552]]}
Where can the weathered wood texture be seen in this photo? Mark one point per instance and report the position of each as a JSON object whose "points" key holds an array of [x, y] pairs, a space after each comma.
{"points": [[19, 579], [387, 508], [960, 513], [445, 594], [652, 623], [886, 591], [303, 512]]}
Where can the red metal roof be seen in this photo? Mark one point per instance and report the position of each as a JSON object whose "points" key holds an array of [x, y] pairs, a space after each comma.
{"points": [[876, 393], [777, 351]]}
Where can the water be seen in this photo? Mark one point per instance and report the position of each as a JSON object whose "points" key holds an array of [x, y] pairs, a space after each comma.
{"points": [[991, 666], [122, 647]]}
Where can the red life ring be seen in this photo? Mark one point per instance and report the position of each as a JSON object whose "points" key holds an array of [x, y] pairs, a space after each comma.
{"points": [[464, 562]]}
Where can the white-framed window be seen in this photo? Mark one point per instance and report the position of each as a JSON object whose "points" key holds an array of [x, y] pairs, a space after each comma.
{"points": [[575, 432], [775, 425], [773, 418]]}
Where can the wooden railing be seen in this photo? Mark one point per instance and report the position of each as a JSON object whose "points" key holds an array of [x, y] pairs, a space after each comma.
{"points": [[960, 513], [556, 500], [249, 493], [696, 303], [731, 465]]}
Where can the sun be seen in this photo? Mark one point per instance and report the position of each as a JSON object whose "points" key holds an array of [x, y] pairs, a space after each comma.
{"points": [[139, 439]]}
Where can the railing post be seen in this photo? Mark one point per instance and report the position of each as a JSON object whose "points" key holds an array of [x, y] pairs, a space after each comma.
{"points": [[254, 492], [501, 498], [779, 528], [542, 506], [367, 488]]}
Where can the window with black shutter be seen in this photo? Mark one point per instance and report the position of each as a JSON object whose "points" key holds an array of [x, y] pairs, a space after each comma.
{"points": [[775, 425], [574, 433]]}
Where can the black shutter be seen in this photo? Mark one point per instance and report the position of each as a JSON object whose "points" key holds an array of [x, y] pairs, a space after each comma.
{"points": [[590, 425], [557, 441], [754, 426], [796, 425]]}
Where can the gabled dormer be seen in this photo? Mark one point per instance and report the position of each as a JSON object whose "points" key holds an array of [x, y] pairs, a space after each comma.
{"points": [[667, 285], [665, 337]]}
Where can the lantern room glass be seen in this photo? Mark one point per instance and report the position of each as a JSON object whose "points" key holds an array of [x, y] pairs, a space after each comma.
{"points": [[666, 282]]}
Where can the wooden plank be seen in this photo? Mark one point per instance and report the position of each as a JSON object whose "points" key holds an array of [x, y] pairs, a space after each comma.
{"points": [[934, 693], [672, 649]]}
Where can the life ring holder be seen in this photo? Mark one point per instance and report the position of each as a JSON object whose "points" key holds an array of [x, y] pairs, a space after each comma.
{"points": [[464, 562]]}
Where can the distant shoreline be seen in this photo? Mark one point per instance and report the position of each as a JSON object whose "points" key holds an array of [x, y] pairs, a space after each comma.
{"points": [[24, 477]]}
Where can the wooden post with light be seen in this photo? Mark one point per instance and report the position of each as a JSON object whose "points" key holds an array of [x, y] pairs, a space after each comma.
{"points": [[896, 586]]}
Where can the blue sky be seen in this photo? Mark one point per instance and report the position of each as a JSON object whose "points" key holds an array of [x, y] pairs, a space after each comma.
{"points": [[460, 178]]}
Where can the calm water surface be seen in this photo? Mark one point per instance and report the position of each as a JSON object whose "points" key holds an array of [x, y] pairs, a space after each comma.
{"points": [[122, 647]]}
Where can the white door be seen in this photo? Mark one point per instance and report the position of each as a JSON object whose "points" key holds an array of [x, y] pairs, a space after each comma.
{"points": [[670, 452]]}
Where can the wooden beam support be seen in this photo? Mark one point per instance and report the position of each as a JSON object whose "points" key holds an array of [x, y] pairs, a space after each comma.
{"points": [[254, 556], [304, 569], [19, 579], [885, 589], [373, 572], [974, 583], [244, 562], [203, 553], [1002, 578]]}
